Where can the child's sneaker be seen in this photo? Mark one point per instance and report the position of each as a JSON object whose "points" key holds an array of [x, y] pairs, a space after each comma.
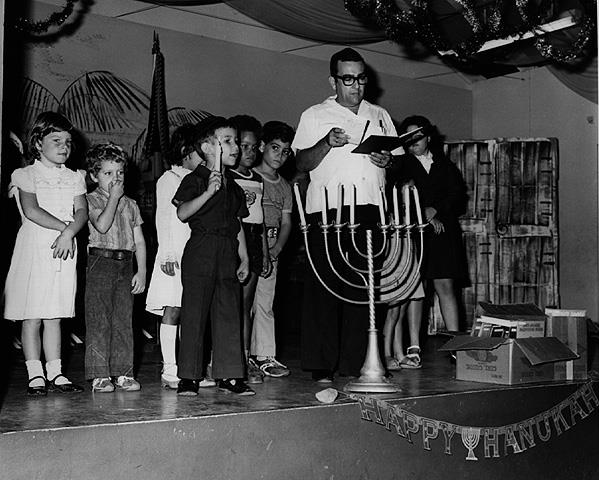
{"points": [[207, 382], [271, 367], [102, 385], [128, 384], [234, 385], [255, 375]]}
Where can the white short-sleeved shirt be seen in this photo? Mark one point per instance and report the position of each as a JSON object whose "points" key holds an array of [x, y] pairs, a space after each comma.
{"points": [[340, 166]]}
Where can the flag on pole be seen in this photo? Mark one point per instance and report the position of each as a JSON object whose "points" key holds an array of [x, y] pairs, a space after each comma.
{"points": [[156, 142]]}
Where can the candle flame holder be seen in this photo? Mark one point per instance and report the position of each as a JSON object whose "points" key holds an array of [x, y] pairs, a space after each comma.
{"points": [[399, 274]]}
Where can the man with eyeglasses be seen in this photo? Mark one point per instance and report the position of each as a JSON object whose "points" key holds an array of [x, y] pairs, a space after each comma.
{"points": [[334, 334]]}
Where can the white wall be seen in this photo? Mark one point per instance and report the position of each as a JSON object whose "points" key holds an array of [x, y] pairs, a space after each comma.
{"points": [[535, 104]]}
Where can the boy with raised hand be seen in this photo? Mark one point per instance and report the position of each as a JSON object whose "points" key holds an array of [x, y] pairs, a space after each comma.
{"points": [[214, 261]]}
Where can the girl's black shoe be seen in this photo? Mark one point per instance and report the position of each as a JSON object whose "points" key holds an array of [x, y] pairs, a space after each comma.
{"points": [[39, 391]]}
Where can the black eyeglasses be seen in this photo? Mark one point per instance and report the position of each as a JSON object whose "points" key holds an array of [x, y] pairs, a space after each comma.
{"points": [[349, 80]]}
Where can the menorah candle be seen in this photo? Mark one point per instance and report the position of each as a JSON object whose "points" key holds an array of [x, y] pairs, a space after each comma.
{"points": [[323, 201], [339, 204], [418, 210], [406, 203], [300, 207], [395, 205], [382, 205], [352, 205], [217, 156]]}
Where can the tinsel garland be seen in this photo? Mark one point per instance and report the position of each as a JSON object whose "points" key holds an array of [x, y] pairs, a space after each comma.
{"points": [[574, 52], [418, 23], [42, 26]]}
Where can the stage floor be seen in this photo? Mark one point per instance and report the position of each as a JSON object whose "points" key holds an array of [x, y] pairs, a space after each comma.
{"points": [[18, 412]]}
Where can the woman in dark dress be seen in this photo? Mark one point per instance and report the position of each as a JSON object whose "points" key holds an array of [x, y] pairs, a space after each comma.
{"points": [[443, 199]]}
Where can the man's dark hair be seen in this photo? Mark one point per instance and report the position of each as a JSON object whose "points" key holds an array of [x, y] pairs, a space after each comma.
{"points": [[247, 123], [345, 55], [275, 130]]}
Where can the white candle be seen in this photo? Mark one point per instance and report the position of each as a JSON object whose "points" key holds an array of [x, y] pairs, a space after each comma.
{"points": [[339, 204], [352, 204], [406, 203], [323, 196], [395, 205], [217, 156], [417, 202], [300, 208], [382, 205]]}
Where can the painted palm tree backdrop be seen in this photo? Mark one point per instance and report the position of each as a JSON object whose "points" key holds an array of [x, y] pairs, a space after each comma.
{"points": [[102, 107]]}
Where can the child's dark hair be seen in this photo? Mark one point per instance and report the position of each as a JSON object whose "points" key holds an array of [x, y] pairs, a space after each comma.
{"points": [[435, 145], [46, 123], [206, 129], [275, 130], [418, 121], [104, 152], [182, 143], [247, 123]]}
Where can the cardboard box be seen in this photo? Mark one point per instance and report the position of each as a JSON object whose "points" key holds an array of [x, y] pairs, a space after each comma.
{"points": [[508, 361], [570, 326], [519, 320]]}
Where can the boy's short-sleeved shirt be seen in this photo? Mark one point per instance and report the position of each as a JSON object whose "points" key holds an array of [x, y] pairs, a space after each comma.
{"points": [[120, 234], [221, 213], [276, 200], [253, 189]]}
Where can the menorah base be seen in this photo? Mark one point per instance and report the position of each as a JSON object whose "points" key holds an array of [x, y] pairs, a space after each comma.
{"points": [[372, 384]]}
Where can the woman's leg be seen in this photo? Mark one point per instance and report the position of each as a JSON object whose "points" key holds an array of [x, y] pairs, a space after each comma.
{"points": [[448, 302], [414, 321], [391, 320]]}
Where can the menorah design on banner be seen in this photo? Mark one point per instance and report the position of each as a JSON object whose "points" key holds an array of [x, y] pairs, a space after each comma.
{"points": [[470, 439], [399, 256]]}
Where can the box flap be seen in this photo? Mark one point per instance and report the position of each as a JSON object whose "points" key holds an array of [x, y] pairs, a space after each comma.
{"points": [[544, 350], [510, 310], [468, 342]]}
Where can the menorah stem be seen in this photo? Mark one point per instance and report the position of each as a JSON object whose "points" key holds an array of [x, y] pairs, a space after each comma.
{"points": [[372, 374]]}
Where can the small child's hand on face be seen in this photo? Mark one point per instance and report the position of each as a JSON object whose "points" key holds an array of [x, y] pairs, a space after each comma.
{"points": [[117, 188], [214, 182]]}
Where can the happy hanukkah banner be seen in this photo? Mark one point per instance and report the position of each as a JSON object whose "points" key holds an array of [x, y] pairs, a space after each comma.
{"points": [[496, 441]]}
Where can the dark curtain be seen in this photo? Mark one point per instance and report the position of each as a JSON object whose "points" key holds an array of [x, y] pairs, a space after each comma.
{"points": [[327, 21]]}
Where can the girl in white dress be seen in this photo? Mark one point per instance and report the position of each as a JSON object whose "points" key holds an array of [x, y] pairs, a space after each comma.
{"points": [[41, 282], [164, 293]]}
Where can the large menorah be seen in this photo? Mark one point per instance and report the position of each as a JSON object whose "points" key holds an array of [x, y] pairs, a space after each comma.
{"points": [[397, 277]]}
